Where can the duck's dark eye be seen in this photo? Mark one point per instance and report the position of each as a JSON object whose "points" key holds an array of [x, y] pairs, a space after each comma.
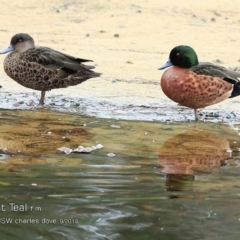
{"points": [[178, 54], [20, 40]]}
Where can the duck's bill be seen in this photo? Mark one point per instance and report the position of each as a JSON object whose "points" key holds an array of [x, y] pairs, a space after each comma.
{"points": [[165, 65], [8, 49]]}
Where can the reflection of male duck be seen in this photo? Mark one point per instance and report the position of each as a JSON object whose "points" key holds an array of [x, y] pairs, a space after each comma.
{"points": [[187, 153]]}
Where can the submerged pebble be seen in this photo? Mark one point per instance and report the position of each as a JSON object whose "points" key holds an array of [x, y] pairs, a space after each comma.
{"points": [[65, 150], [115, 126], [111, 154]]}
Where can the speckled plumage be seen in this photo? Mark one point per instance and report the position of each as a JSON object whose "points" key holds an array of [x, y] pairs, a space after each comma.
{"points": [[42, 68], [197, 85]]}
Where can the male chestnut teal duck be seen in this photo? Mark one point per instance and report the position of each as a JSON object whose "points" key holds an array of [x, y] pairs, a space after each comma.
{"points": [[42, 68], [197, 84]]}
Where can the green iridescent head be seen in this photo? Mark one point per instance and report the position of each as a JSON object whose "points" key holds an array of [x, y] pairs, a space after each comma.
{"points": [[181, 56]]}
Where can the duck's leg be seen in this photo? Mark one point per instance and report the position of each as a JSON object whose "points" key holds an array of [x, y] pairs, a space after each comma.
{"points": [[41, 101], [196, 114]]}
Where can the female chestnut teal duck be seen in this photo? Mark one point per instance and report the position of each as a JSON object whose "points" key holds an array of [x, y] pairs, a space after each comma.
{"points": [[42, 68], [197, 85]]}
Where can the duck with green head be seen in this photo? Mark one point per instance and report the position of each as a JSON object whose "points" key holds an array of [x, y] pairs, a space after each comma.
{"points": [[197, 85]]}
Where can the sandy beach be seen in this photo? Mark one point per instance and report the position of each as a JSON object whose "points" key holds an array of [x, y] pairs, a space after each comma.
{"points": [[128, 41]]}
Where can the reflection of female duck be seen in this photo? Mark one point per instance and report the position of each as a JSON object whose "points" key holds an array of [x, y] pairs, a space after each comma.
{"points": [[192, 151], [44, 133]]}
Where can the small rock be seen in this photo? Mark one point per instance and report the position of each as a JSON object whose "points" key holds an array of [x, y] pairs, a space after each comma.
{"points": [[80, 149], [218, 61], [111, 154], [16, 104], [115, 126], [99, 146], [30, 103], [88, 149], [217, 13], [65, 150]]}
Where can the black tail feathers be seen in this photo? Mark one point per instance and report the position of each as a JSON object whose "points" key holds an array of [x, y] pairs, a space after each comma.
{"points": [[236, 90]]}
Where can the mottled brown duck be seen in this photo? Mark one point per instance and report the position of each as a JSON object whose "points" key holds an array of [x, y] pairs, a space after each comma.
{"points": [[42, 68]]}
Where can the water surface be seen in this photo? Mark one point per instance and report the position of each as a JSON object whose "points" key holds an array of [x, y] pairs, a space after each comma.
{"points": [[151, 180]]}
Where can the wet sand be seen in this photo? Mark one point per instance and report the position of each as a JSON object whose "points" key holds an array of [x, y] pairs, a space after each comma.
{"points": [[127, 41]]}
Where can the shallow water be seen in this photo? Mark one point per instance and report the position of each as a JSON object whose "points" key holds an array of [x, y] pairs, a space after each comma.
{"points": [[151, 180]]}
